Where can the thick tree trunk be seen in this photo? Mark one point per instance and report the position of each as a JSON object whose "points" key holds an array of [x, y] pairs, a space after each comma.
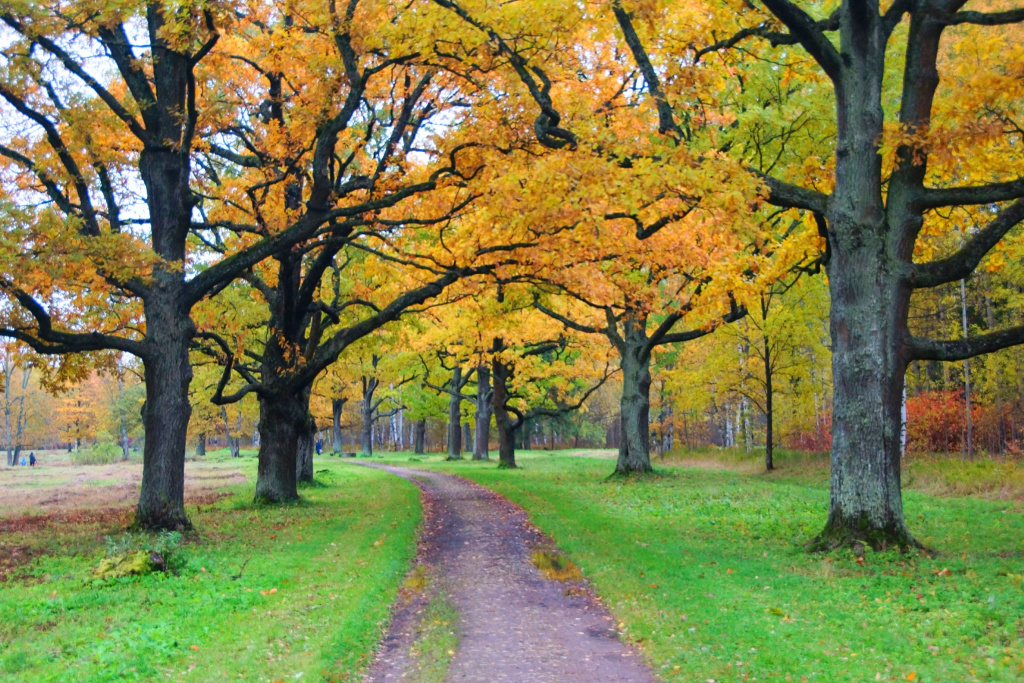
{"points": [[337, 405], [284, 419], [366, 435], [455, 416], [304, 453], [635, 441], [166, 414], [869, 305], [165, 172], [419, 437], [500, 374], [484, 408], [868, 374], [366, 410]]}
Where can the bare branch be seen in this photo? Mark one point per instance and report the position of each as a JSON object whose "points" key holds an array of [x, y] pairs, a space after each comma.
{"points": [[963, 262]]}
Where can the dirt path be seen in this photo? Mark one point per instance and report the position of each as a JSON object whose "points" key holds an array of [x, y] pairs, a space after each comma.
{"points": [[515, 625]]}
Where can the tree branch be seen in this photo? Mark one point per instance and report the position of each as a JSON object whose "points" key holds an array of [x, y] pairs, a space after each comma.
{"points": [[807, 31], [931, 349], [971, 195], [1012, 16], [963, 262]]}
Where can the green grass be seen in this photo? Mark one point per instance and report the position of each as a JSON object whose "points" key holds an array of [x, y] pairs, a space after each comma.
{"points": [[436, 641], [317, 582], [707, 573], [946, 474]]}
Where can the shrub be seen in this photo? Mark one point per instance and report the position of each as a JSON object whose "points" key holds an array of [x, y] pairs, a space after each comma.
{"points": [[97, 454]]}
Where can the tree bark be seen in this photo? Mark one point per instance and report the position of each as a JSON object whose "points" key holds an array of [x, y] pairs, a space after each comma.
{"points": [[166, 415], [500, 374], [234, 442], [455, 416], [366, 435], [304, 453], [366, 413], [337, 405], [484, 409], [419, 437], [635, 403], [870, 304], [284, 419], [467, 434], [868, 374], [123, 437], [201, 444]]}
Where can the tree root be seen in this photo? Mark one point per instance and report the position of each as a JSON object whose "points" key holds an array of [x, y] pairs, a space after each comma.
{"points": [[860, 537]]}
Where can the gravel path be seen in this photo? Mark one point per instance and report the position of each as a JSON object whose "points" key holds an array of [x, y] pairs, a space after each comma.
{"points": [[515, 625]]}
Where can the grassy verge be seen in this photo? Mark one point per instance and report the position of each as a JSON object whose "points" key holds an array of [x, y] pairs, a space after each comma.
{"points": [[936, 474], [262, 593], [436, 641], [706, 571]]}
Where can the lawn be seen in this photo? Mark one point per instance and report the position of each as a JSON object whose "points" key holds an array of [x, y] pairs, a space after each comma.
{"points": [[706, 572], [259, 593]]}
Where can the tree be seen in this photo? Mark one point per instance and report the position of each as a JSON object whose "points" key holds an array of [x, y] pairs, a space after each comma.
{"points": [[18, 402], [902, 159], [625, 326], [770, 354], [142, 93]]}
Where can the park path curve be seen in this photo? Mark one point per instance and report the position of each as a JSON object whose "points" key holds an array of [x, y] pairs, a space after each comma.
{"points": [[515, 625]]}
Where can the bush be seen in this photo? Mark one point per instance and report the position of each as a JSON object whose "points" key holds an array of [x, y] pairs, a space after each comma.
{"points": [[97, 454], [165, 543]]}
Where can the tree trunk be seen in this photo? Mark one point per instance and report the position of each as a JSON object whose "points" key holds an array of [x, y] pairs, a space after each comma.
{"points": [[526, 429], [969, 435], [367, 414], [234, 442], [304, 453], [635, 443], [419, 437], [455, 416], [769, 413], [124, 441], [366, 436], [337, 405], [484, 408], [162, 496], [284, 419], [467, 434], [870, 302], [500, 373], [868, 374], [167, 410], [201, 444]]}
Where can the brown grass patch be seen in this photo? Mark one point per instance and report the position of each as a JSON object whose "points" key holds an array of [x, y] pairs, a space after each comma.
{"points": [[555, 566]]}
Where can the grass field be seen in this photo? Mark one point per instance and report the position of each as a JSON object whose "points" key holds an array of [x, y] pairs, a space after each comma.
{"points": [[705, 569], [259, 593], [703, 566]]}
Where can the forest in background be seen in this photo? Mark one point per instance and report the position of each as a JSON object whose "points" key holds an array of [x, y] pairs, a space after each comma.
{"points": [[709, 393]]}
